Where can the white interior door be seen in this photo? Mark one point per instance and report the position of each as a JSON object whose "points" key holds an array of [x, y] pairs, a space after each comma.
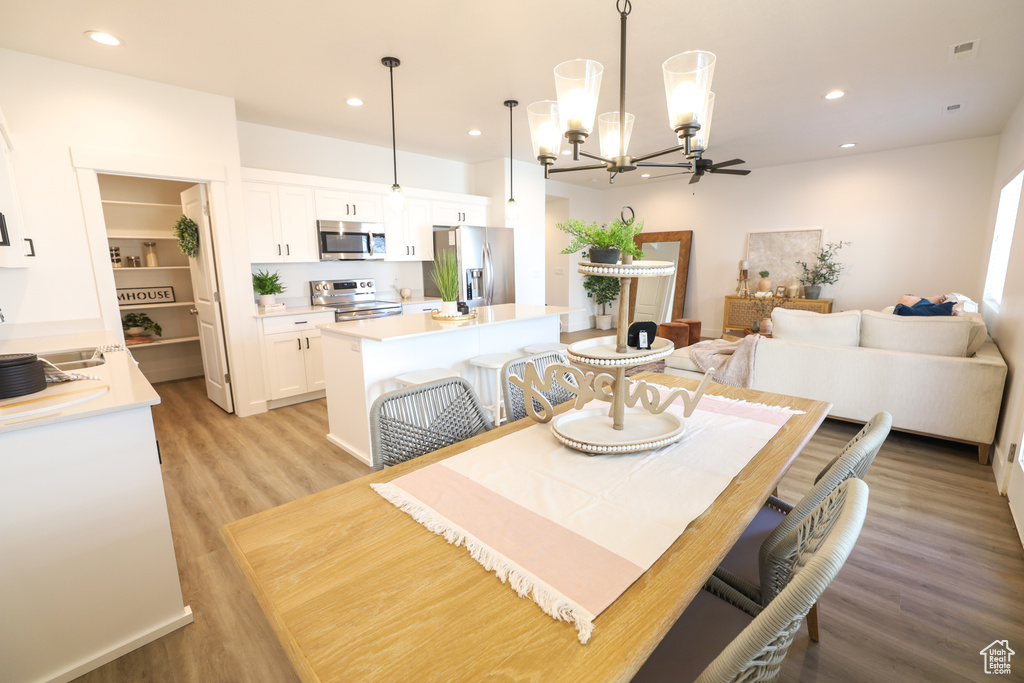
{"points": [[1015, 494], [195, 205]]}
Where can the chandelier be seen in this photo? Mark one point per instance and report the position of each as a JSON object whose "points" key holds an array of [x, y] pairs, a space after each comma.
{"points": [[577, 84]]}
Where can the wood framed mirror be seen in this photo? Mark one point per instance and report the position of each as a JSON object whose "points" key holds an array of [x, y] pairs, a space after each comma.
{"points": [[661, 298]]}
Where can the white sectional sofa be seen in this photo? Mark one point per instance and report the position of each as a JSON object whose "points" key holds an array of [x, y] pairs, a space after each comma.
{"points": [[937, 376]]}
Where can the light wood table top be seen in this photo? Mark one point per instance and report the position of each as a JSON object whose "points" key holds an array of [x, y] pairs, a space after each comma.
{"points": [[356, 590]]}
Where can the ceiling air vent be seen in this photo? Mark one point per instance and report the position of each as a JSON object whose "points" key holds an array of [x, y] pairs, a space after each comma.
{"points": [[952, 109], [962, 52]]}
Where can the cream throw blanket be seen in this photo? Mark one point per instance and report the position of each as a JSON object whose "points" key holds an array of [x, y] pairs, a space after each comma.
{"points": [[733, 361]]}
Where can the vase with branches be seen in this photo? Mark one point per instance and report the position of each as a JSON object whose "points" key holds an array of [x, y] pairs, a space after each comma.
{"points": [[824, 270], [762, 307]]}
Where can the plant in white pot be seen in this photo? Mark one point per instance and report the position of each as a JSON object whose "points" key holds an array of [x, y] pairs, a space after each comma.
{"points": [[446, 278], [267, 285], [604, 291], [606, 242], [134, 324]]}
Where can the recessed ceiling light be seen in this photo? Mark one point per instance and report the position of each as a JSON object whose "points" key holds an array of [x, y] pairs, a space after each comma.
{"points": [[354, 102], [475, 132], [847, 145], [834, 95], [101, 37], [645, 175]]}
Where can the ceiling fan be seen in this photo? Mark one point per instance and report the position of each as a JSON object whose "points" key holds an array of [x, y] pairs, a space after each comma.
{"points": [[702, 166]]}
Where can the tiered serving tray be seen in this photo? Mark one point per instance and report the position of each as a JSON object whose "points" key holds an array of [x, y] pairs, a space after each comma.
{"points": [[619, 429]]}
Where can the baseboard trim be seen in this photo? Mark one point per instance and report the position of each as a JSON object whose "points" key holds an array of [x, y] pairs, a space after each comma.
{"points": [[348, 449], [98, 660]]}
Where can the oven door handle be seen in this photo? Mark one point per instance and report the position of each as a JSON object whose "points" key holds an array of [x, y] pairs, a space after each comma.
{"points": [[344, 317]]}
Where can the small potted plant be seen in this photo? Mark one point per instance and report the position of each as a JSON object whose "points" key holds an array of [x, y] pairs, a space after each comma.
{"points": [[824, 271], [446, 278], [267, 284], [765, 285], [604, 243], [603, 290], [134, 324]]}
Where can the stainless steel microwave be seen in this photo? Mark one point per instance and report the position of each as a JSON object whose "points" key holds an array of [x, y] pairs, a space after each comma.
{"points": [[348, 241]]}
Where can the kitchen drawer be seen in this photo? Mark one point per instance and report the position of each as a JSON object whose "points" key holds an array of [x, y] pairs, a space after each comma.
{"points": [[296, 323], [424, 307]]}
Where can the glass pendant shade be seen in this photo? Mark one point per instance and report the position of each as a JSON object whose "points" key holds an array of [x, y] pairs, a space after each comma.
{"points": [[687, 84], [397, 198], [511, 213], [545, 130], [577, 84], [702, 139], [612, 143]]}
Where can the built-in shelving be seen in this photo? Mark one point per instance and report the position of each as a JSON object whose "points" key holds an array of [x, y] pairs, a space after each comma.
{"points": [[123, 269], [163, 342], [139, 236], [170, 305], [162, 205]]}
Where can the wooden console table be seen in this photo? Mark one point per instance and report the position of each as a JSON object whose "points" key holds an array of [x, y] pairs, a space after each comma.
{"points": [[739, 312]]}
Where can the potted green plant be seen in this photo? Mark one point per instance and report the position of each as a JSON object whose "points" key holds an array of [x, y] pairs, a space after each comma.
{"points": [[446, 278], [765, 285], [824, 271], [267, 284], [134, 324], [603, 290], [604, 243]]}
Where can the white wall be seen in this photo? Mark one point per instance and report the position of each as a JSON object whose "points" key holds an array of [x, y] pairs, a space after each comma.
{"points": [[918, 220], [572, 201], [1007, 323]]}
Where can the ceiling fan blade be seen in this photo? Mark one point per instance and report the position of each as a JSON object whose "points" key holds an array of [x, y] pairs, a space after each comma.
{"points": [[695, 178], [666, 175], [723, 164], [729, 171]]}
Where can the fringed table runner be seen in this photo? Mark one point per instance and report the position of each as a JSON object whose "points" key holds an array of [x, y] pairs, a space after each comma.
{"points": [[574, 531]]}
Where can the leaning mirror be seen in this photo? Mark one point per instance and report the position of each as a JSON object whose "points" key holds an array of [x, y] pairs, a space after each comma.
{"points": [[661, 299]]}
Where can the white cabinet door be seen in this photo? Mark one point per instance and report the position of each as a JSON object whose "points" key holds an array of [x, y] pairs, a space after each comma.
{"points": [[263, 222], [339, 205], [298, 223], [286, 364], [314, 358], [423, 307], [458, 213], [419, 230], [12, 249]]}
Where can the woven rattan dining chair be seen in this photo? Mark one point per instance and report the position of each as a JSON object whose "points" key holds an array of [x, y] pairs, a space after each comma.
{"points": [[752, 647], [750, 566], [411, 422], [515, 403]]}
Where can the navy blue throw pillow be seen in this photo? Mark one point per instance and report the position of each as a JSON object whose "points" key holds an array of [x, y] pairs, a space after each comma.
{"points": [[925, 308]]}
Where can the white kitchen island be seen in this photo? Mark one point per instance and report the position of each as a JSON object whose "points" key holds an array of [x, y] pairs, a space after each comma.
{"points": [[362, 357], [87, 566]]}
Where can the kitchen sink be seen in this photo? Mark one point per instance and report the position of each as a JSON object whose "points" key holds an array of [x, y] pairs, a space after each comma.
{"points": [[75, 359]]}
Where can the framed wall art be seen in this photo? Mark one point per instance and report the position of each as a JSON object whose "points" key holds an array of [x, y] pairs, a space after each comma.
{"points": [[778, 252]]}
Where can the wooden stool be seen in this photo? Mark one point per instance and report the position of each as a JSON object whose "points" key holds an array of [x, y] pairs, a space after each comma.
{"points": [[413, 377], [495, 362]]}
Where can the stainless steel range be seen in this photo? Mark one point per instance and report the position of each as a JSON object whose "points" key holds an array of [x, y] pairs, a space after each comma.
{"points": [[351, 299]]}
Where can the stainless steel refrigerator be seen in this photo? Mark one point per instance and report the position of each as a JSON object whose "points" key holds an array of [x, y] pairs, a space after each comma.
{"points": [[486, 264]]}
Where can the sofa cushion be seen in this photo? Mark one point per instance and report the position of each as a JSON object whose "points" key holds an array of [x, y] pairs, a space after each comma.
{"points": [[978, 335], [680, 360], [931, 336], [808, 327]]}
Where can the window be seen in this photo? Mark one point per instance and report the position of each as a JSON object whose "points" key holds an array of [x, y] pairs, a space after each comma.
{"points": [[1002, 239]]}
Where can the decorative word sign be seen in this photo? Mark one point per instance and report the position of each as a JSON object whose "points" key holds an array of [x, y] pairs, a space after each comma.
{"points": [[139, 296], [600, 386]]}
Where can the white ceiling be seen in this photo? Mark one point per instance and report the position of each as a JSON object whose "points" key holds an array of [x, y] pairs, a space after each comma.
{"points": [[293, 65]]}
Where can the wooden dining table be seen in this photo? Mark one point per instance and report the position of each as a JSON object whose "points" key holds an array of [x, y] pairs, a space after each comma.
{"points": [[356, 590]]}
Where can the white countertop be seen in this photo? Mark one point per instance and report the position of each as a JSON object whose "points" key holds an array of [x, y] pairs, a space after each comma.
{"points": [[293, 310], [417, 324], [394, 298], [120, 385]]}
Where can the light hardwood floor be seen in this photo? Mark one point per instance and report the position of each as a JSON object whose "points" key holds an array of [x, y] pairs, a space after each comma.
{"points": [[938, 572]]}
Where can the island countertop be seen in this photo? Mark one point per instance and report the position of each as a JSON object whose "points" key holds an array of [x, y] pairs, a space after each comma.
{"points": [[419, 324]]}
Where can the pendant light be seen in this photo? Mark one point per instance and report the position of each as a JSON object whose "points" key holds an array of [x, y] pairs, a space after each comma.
{"points": [[511, 208], [396, 199]]}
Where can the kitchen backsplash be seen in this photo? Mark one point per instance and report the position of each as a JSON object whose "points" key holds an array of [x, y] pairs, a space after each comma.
{"points": [[296, 276]]}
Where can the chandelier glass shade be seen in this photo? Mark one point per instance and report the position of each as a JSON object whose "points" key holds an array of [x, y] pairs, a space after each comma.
{"points": [[687, 78]]}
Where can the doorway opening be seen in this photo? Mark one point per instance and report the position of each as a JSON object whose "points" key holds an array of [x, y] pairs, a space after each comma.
{"points": [[168, 302]]}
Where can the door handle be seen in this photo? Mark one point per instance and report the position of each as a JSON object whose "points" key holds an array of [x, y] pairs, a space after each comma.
{"points": [[407, 251], [300, 343], [354, 210], [307, 342], [414, 251], [193, 311], [288, 248], [279, 250], [347, 209]]}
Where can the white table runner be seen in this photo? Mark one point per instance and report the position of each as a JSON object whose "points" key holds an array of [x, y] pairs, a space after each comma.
{"points": [[574, 531]]}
